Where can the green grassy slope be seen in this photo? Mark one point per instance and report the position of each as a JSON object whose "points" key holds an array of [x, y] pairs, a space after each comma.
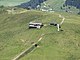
{"points": [[57, 4], [59, 45], [12, 2], [54, 4], [15, 36]]}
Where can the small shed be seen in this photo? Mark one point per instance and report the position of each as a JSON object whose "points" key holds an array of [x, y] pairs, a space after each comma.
{"points": [[56, 24], [53, 23], [35, 25]]}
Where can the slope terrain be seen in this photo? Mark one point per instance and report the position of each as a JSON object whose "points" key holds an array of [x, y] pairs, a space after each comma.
{"points": [[12, 2], [59, 45], [56, 5], [15, 35]]}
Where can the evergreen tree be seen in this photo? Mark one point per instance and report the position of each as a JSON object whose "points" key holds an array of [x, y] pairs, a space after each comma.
{"points": [[75, 3]]}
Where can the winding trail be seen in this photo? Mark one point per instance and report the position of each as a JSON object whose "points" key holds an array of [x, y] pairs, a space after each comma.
{"points": [[63, 18]]}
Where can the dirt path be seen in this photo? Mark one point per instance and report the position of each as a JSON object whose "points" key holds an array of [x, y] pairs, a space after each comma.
{"points": [[28, 50], [63, 18]]}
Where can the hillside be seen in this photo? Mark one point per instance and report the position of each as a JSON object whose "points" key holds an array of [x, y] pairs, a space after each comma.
{"points": [[56, 5], [59, 45], [15, 36], [75, 3], [12, 2]]}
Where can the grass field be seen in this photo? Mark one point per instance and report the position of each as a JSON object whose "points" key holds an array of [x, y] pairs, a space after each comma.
{"points": [[15, 36], [57, 4], [59, 45], [54, 4], [12, 2]]}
